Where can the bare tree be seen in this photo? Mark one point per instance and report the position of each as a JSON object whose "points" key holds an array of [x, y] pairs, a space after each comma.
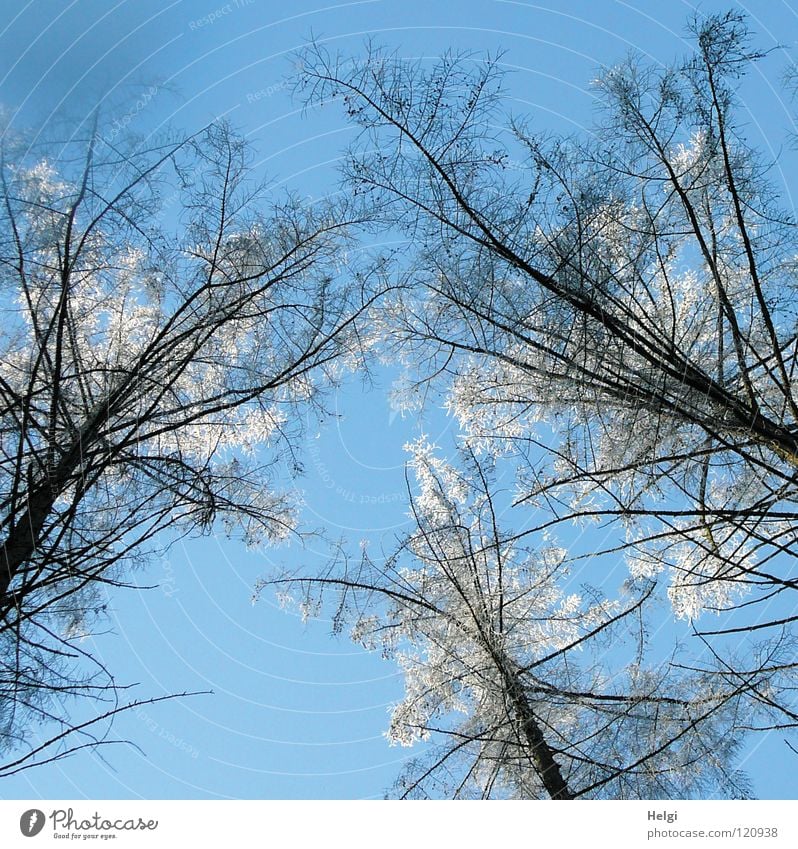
{"points": [[524, 685], [163, 320], [616, 312]]}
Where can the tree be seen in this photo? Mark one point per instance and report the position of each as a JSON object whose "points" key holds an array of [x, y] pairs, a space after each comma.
{"points": [[163, 321], [529, 689], [615, 313]]}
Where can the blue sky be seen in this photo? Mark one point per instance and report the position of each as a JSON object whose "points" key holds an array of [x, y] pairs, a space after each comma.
{"points": [[296, 714]]}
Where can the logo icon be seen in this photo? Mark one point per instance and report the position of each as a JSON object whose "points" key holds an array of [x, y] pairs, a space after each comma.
{"points": [[31, 822]]}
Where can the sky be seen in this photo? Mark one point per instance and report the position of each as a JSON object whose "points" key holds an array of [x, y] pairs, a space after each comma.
{"points": [[295, 713]]}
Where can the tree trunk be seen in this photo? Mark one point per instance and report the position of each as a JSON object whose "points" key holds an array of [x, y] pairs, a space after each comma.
{"points": [[542, 754], [25, 534]]}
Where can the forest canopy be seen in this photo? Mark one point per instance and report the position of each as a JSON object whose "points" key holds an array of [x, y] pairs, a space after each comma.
{"points": [[615, 315], [608, 317]]}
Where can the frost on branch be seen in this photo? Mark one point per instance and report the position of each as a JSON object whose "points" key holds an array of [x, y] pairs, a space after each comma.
{"points": [[615, 312], [516, 684], [152, 377]]}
